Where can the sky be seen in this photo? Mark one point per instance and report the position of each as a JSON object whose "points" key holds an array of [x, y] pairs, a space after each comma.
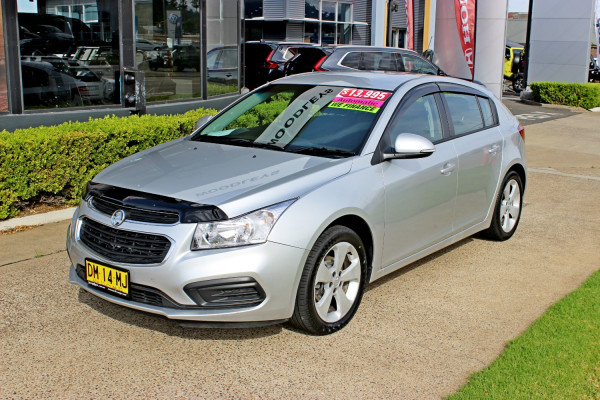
{"points": [[518, 5]]}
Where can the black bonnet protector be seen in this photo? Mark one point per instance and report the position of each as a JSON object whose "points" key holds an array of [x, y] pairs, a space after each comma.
{"points": [[188, 212]]}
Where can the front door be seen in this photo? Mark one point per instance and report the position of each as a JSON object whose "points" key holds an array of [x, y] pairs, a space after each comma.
{"points": [[420, 194]]}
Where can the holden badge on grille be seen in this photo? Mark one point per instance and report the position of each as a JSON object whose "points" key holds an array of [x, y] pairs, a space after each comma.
{"points": [[117, 218]]}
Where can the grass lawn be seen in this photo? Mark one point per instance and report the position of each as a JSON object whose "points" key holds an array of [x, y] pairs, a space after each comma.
{"points": [[558, 357]]}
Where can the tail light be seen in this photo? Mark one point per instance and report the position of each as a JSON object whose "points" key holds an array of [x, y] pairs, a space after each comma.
{"points": [[522, 132], [319, 63], [83, 91], [268, 63]]}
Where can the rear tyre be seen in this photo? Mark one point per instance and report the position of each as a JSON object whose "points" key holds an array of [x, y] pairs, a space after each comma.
{"points": [[507, 211], [519, 83], [332, 282]]}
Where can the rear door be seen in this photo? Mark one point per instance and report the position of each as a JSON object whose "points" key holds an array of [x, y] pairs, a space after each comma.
{"points": [[420, 194], [476, 136]]}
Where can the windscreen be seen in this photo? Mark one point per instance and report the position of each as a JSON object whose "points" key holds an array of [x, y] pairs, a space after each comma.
{"points": [[320, 120]]}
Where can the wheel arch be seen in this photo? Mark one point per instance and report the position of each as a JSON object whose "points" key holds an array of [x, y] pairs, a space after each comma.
{"points": [[362, 229], [520, 170]]}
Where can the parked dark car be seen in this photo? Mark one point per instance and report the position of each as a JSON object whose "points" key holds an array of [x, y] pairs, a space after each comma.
{"points": [[46, 86], [594, 72], [54, 34], [161, 58], [352, 58], [186, 56], [265, 61]]}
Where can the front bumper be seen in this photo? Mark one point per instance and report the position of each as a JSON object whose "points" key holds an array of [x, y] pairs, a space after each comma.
{"points": [[276, 268]]}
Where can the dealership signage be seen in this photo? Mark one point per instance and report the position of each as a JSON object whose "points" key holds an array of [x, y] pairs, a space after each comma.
{"points": [[410, 43], [465, 21]]}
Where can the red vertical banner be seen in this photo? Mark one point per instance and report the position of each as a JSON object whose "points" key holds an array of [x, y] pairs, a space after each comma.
{"points": [[465, 21], [410, 42]]}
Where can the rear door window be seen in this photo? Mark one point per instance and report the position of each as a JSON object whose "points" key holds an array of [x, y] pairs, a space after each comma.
{"points": [[464, 113]]}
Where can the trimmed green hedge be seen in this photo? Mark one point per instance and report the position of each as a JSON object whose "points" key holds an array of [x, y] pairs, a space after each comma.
{"points": [[585, 95], [60, 160]]}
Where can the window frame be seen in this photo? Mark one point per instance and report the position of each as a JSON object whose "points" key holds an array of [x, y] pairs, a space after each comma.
{"points": [[465, 90], [413, 95], [336, 21]]}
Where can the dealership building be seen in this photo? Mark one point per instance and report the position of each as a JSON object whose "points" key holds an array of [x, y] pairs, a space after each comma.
{"points": [[71, 59], [66, 60]]}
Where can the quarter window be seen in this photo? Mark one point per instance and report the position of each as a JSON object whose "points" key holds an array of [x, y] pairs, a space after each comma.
{"points": [[421, 118], [464, 113], [486, 111], [415, 64]]}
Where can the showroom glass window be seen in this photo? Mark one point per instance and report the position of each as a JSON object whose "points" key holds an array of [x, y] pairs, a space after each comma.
{"points": [[168, 48], [253, 28], [222, 39], [70, 49], [3, 88], [333, 22]]}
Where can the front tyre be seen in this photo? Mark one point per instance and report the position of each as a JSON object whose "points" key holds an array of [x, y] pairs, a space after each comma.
{"points": [[507, 210], [332, 282]]}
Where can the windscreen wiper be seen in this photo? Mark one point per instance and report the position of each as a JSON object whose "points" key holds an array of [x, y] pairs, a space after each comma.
{"points": [[322, 151], [239, 142]]}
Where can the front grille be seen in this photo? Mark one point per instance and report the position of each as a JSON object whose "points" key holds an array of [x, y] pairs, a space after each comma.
{"points": [[123, 246], [109, 206]]}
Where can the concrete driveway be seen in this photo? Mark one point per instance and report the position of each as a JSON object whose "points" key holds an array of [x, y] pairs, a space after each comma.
{"points": [[418, 334]]}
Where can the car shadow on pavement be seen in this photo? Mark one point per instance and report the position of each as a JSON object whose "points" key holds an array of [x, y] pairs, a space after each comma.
{"points": [[169, 327], [418, 263]]}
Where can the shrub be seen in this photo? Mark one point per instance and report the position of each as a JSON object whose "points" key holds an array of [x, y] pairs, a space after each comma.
{"points": [[60, 160], [586, 95]]}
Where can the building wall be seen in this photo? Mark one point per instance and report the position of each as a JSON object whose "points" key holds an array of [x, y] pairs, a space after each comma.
{"points": [[490, 44], [3, 94], [295, 32], [516, 28], [275, 9], [560, 40], [419, 21], [362, 12]]}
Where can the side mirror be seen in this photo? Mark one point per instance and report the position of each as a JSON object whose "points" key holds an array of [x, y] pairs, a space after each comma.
{"points": [[202, 121], [409, 145]]}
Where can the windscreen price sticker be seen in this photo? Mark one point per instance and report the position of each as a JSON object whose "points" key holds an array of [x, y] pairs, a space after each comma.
{"points": [[360, 100], [364, 94]]}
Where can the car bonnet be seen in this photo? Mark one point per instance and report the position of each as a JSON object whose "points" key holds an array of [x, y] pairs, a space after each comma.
{"points": [[236, 179]]}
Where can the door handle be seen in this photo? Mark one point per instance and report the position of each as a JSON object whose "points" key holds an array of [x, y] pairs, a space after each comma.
{"points": [[494, 149], [447, 169]]}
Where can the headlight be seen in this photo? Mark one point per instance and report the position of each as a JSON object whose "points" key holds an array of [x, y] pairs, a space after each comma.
{"points": [[251, 228]]}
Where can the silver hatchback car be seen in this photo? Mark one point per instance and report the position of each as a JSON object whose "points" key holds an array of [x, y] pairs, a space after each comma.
{"points": [[287, 203]]}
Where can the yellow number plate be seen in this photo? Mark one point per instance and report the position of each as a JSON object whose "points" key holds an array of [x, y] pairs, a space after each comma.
{"points": [[107, 278]]}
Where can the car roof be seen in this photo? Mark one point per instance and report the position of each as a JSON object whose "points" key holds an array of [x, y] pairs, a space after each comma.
{"points": [[352, 47], [375, 80], [379, 80]]}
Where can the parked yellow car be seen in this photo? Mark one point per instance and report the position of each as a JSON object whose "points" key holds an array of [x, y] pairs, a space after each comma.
{"points": [[512, 56]]}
